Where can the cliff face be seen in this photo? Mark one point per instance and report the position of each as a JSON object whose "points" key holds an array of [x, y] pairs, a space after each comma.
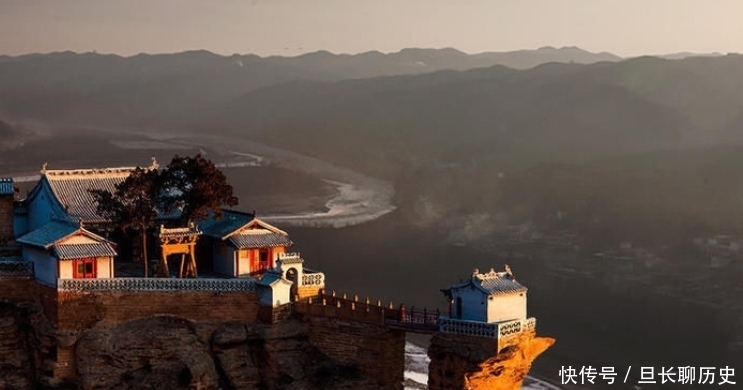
{"points": [[169, 352], [159, 352], [507, 370], [473, 363], [15, 371]]}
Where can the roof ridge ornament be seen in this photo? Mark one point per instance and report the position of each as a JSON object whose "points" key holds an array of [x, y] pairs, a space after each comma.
{"points": [[43, 168], [509, 272], [154, 165]]}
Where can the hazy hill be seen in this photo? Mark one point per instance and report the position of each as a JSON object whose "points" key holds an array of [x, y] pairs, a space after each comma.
{"points": [[8, 134], [554, 111], [687, 54], [583, 139], [437, 120], [145, 88]]}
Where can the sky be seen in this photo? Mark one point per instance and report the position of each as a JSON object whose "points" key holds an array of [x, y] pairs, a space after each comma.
{"points": [[292, 27]]}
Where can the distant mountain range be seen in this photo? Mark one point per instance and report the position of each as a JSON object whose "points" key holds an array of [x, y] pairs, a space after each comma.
{"points": [[70, 86], [435, 120]]}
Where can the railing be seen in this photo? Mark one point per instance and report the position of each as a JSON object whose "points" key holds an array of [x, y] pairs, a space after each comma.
{"points": [[331, 305], [530, 324], [468, 328], [291, 257], [498, 330], [157, 284], [313, 278], [343, 308], [16, 268], [509, 328], [414, 318]]}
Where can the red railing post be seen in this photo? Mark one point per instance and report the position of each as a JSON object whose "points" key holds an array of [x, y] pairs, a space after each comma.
{"points": [[401, 315]]}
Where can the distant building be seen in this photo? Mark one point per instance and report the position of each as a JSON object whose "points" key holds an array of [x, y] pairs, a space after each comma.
{"points": [[65, 195], [492, 304], [489, 297], [235, 245], [61, 250], [242, 244]]}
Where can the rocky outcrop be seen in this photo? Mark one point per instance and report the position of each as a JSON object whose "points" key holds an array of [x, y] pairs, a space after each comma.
{"points": [[507, 370], [473, 363], [15, 371], [160, 352], [170, 352], [280, 356]]}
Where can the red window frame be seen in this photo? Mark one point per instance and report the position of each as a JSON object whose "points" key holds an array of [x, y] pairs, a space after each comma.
{"points": [[85, 268]]}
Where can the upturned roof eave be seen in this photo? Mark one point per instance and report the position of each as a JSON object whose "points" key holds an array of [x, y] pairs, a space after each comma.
{"points": [[255, 221]]}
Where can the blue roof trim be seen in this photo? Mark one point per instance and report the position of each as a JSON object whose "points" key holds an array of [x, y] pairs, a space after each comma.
{"points": [[6, 186], [58, 210], [229, 223], [48, 234]]}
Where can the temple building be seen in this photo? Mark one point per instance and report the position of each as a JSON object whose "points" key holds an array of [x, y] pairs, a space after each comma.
{"points": [[65, 195], [242, 244], [62, 250], [491, 304], [63, 235], [489, 297]]}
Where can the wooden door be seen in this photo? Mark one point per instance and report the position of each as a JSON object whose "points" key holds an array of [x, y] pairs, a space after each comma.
{"points": [[84, 268], [264, 259]]}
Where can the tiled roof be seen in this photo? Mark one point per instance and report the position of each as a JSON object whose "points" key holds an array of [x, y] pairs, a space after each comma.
{"points": [[6, 186], [79, 251], [243, 230], [260, 240], [48, 234], [501, 285], [271, 278], [178, 232], [493, 283], [72, 189], [230, 222]]}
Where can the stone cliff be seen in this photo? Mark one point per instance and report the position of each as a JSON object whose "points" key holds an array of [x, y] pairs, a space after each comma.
{"points": [[163, 351], [473, 363]]}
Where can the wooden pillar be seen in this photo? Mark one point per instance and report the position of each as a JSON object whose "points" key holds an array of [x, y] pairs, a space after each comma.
{"points": [[164, 271], [183, 261], [192, 261]]}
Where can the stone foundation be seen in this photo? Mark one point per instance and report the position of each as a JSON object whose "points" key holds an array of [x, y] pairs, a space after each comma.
{"points": [[378, 351], [473, 363], [83, 310]]}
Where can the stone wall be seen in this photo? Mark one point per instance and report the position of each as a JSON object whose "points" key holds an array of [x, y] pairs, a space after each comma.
{"points": [[83, 310], [17, 289], [6, 219], [15, 359], [308, 291], [379, 352]]}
